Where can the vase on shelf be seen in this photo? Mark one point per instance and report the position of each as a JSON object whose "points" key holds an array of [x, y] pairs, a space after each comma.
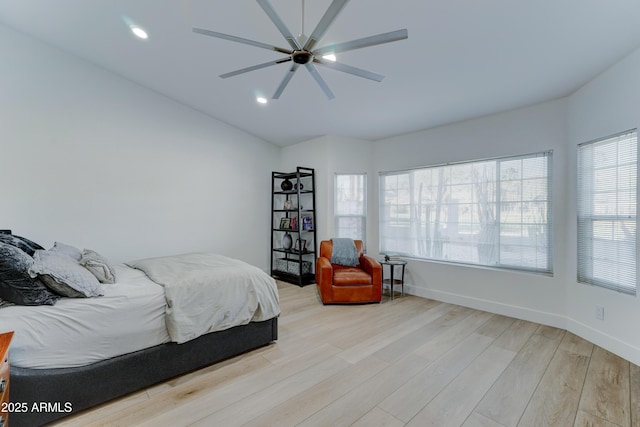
{"points": [[287, 241]]}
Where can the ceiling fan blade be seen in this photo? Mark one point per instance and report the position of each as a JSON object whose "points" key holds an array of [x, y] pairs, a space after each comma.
{"points": [[327, 19], [254, 67], [349, 69], [241, 40], [364, 42], [318, 78], [285, 81], [266, 6]]}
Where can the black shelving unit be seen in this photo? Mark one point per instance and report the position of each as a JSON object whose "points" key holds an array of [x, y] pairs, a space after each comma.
{"points": [[293, 214]]}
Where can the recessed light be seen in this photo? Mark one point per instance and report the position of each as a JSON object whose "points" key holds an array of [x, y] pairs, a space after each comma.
{"points": [[261, 100], [139, 32], [329, 57]]}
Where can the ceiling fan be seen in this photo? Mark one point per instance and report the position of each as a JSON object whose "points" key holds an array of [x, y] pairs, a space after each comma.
{"points": [[303, 50]]}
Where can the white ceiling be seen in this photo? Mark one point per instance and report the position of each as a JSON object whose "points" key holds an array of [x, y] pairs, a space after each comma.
{"points": [[463, 58]]}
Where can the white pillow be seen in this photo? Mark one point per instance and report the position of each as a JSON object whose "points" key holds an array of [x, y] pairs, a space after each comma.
{"points": [[68, 250], [99, 266], [64, 275]]}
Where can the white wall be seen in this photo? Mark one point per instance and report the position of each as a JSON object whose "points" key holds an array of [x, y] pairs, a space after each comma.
{"points": [[329, 155], [350, 155], [538, 128], [91, 159], [312, 154], [608, 104]]}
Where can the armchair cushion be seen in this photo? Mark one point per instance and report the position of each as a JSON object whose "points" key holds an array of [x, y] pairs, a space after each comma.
{"points": [[349, 276]]}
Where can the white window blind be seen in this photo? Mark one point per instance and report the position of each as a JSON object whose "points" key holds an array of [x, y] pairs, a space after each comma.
{"points": [[492, 212], [350, 205], [607, 202]]}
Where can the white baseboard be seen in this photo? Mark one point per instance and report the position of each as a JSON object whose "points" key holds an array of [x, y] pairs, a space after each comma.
{"points": [[518, 312], [609, 343]]}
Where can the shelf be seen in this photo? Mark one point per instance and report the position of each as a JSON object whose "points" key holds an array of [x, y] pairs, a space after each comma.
{"points": [[293, 192], [292, 251], [305, 279], [287, 230], [293, 175], [289, 264]]}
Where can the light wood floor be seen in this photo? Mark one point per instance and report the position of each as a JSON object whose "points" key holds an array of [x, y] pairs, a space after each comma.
{"points": [[410, 361]]}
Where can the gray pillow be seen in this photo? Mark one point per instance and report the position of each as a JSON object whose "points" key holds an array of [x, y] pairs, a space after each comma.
{"points": [[22, 243], [64, 275], [16, 286], [68, 250], [99, 266]]}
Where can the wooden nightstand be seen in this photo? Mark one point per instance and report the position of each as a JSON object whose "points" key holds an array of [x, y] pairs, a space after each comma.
{"points": [[5, 340]]}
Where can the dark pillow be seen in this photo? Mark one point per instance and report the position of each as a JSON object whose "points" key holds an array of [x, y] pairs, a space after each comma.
{"points": [[16, 285], [22, 243], [4, 303]]}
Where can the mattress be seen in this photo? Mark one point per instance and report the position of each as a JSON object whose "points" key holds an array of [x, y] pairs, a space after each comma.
{"points": [[80, 331]]}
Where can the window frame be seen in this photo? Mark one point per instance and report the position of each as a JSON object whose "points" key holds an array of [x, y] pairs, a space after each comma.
{"points": [[587, 219], [363, 216], [548, 217]]}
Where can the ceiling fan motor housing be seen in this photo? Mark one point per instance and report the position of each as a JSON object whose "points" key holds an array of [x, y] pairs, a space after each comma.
{"points": [[302, 57]]}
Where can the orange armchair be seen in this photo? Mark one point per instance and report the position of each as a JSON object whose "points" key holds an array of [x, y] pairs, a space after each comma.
{"points": [[339, 284]]}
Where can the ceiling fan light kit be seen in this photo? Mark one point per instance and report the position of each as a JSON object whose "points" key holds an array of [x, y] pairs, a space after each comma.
{"points": [[302, 50]]}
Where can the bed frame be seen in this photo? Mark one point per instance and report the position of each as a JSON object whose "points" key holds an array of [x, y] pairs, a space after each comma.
{"points": [[87, 386]]}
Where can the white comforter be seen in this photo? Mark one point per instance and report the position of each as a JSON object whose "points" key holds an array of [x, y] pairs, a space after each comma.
{"points": [[130, 316], [207, 292]]}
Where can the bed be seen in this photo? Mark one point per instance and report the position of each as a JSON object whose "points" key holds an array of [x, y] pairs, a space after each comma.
{"points": [[75, 352]]}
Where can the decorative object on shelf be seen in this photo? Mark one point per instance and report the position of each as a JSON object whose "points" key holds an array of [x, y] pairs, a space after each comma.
{"points": [[286, 185], [391, 256], [307, 223], [295, 186], [301, 245], [285, 223], [287, 205], [287, 241]]}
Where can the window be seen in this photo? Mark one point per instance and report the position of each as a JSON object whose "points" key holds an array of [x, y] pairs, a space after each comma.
{"points": [[350, 207], [491, 212], [607, 188]]}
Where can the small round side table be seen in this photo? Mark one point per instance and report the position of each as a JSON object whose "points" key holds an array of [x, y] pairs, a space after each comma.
{"points": [[391, 281]]}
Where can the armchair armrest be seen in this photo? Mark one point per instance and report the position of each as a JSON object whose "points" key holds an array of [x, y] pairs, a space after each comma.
{"points": [[324, 276], [373, 268]]}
